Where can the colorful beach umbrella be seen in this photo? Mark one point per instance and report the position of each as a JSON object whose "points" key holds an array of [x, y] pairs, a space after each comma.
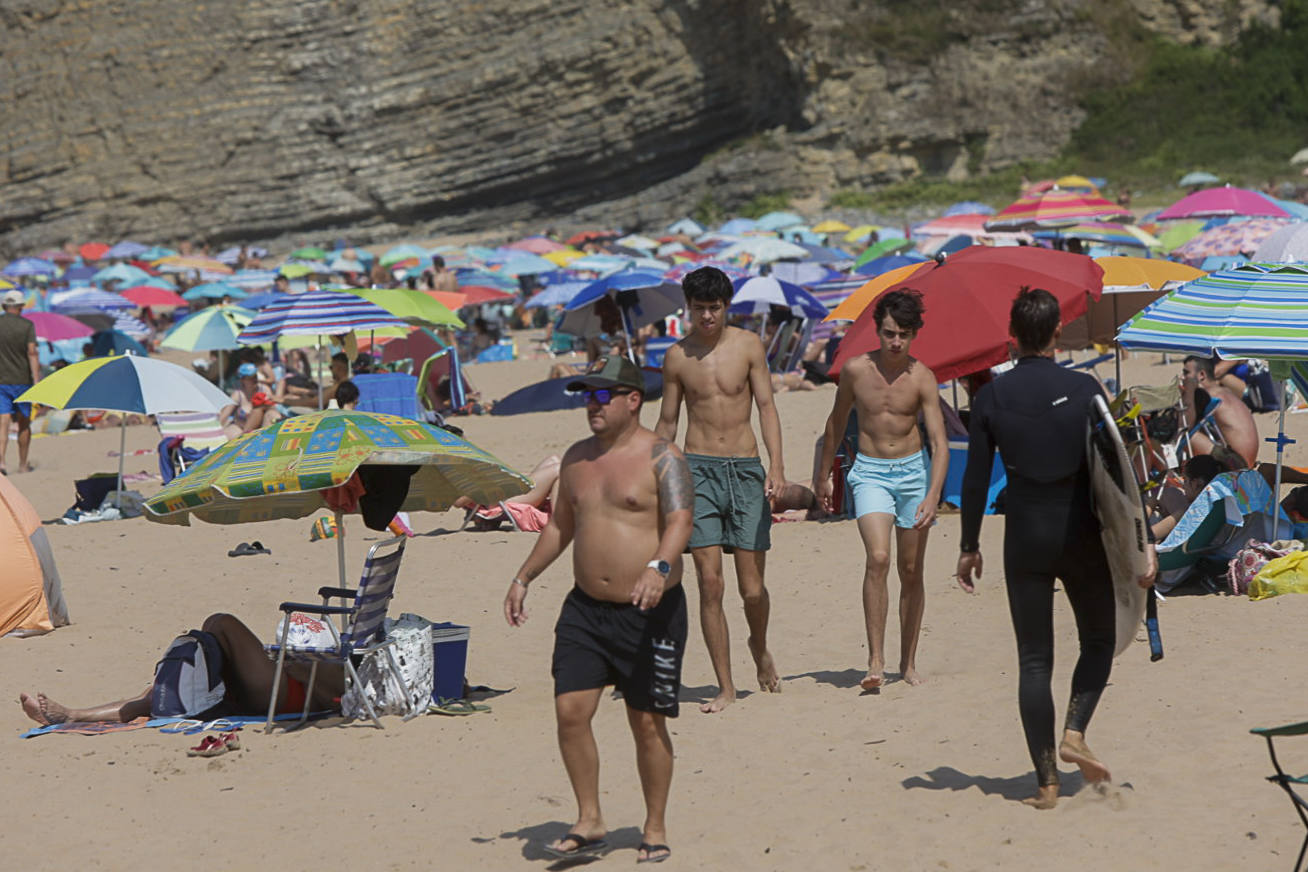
{"points": [[308, 252], [140, 385], [214, 291], [80, 299], [1289, 244], [1237, 237], [1103, 233], [778, 221], [1223, 201], [757, 294], [315, 313], [28, 266], [831, 225], [92, 251], [882, 248], [53, 327], [966, 223], [399, 253], [211, 329], [854, 303], [126, 249], [289, 470], [1053, 208], [763, 249], [968, 298], [185, 263], [150, 295], [411, 307]]}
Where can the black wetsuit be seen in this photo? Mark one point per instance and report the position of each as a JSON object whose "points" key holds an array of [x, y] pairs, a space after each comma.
{"points": [[1036, 415]]}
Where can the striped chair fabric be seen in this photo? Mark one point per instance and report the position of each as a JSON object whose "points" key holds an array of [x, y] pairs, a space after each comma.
{"points": [[200, 429]]}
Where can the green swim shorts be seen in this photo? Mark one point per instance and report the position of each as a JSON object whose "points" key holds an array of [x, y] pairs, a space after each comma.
{"points": [[731, 505]]}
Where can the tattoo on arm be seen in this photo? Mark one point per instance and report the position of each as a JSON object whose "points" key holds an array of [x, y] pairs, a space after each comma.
{"points": [[676, 490]]}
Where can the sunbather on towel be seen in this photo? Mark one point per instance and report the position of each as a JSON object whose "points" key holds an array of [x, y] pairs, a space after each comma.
{"points": [[247, 673], [543, 475]]}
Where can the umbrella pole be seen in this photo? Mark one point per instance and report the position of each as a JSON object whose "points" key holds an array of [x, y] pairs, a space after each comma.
{"points": [[122, 450], [1281, 442], [318, 364], [626, 334]]}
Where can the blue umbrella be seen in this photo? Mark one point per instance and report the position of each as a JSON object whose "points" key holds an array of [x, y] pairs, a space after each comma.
{"points": [[79, 273], [969, 207], [120, 272], [642, 298], [551, 395], [754, 295], [156, 253], [214, 291], [559, 294], [78, 299], [316, 313], [259, 301], [29, 266], [738, 225], [107, 342], [126, 249], [778, 221], [878, 265], [523, 263]]}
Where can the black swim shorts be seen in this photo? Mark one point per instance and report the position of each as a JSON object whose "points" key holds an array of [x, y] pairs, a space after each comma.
{"points": [[598, 643]]}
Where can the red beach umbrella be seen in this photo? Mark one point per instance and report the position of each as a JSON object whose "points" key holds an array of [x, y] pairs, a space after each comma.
{"points": [[968, 297], [92, 251], [149, 295]]}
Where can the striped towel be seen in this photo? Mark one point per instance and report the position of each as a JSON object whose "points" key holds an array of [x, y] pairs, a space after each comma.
{"points": [[201, 430]]}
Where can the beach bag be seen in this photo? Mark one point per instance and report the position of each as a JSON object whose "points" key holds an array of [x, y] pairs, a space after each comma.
{"points": [[1249, 561], [188, 679], [414, 655], [307, 631]]}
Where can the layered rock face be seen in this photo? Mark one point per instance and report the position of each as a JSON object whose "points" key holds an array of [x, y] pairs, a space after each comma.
{"points": [[159, 119]]}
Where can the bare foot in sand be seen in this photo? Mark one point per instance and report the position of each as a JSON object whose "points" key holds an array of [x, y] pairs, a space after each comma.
{"points": [[43, 710], [911, 676], [876, 676], [719, 702], [1073, 749], [769, 681], [1045, 798]]}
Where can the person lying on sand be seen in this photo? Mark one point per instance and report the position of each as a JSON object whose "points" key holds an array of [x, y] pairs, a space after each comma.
{"points": [[247, 673]]}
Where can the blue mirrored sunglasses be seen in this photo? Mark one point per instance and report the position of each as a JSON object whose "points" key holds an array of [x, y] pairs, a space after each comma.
{"points": [[604, 396]]}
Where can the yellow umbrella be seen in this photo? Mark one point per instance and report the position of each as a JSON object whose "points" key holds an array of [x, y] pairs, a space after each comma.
{"points": [[563, 256], [853, 305], [831, 225], [1144, 272], [181, 263], [1073, 183], [862, 231]]}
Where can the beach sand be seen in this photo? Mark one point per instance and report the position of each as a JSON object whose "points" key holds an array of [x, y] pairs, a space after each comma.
{"points": [[822, 776]]}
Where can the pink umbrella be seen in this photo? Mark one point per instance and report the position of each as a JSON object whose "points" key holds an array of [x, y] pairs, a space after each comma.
{"points": [[966, 223], [1219, 202], [149, 295], [51, 326], [536, 245]]}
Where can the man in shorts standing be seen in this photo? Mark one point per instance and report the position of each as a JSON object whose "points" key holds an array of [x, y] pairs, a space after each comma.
{"points": [[625, 501], [889, 480], [720, 370], [20, 368]]}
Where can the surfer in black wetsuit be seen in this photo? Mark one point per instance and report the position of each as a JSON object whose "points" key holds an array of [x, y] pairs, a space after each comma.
{"points": [[1036, 415]]}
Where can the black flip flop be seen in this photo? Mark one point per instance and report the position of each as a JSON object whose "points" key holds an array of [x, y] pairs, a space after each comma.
{"points": [[585, 847], [258, 548], [653, 853], [247, 548]]}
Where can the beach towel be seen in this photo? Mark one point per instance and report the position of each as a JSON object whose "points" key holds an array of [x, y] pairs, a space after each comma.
{"points": [[185, 726]]}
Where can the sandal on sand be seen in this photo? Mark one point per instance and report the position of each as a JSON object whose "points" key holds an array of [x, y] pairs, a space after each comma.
{"points": [[457, 707], [246, 548], [653, 853], [212, 746], [584, 847]]}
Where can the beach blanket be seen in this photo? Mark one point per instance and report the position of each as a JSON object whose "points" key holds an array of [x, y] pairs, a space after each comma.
{"points": [[1240, 494], [185, 726]]}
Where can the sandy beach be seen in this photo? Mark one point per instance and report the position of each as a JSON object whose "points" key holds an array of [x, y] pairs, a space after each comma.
{"points": [[822, 776]]}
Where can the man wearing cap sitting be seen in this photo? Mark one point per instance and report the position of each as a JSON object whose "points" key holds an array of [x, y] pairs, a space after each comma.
{"points": [[20, 368], [251, 408], [625, 501]]}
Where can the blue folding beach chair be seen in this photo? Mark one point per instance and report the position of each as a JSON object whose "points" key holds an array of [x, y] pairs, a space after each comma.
{"points": [[362, 632]]}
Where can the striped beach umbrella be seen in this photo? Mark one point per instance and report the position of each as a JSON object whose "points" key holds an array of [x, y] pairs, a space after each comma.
{"points": [[1256, 310], [81, 299], [316, 313], [1054, 208]]}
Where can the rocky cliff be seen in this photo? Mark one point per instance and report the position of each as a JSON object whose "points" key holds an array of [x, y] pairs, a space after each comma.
{"points": [[157, 119]]}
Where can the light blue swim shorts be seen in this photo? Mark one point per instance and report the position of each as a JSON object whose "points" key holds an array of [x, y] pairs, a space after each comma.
{"points": [[895, 487]]}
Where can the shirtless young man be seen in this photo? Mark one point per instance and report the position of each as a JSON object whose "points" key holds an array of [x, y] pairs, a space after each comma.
{"points": [[1233, 417], [720, 370], [625, 500], [888, 389]]}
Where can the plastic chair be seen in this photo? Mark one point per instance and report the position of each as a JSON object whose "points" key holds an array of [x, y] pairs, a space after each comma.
{"points": [[1288, 782], [362, 632]]}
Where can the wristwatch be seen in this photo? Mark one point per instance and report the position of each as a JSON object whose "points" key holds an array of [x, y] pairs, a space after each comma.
{"points": [[662, 567]]}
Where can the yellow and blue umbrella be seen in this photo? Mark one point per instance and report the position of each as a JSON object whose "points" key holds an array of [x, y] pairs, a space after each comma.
{"points": [[211, 329], [126, 384], [287, 470]]}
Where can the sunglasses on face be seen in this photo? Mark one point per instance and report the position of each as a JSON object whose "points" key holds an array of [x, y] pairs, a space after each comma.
{"points": [[604, 396]]}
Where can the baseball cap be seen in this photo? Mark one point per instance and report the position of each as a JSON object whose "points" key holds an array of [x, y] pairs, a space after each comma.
{"points": [[247, 369], [613, 371], [14, 298]]}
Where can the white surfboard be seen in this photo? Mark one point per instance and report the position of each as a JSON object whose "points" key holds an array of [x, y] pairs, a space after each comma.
{"points": [[1121, 519]]}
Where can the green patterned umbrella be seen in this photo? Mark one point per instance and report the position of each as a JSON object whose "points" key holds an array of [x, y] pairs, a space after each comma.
{"points": [[282, 471], [289, 470]]}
